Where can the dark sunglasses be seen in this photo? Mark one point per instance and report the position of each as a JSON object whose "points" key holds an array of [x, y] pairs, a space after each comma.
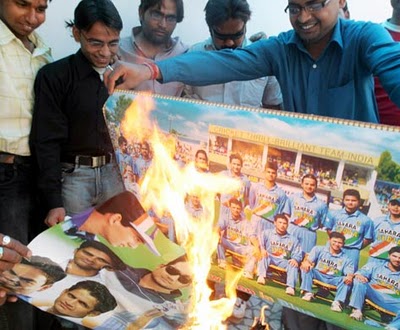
{"points": [[232, 37], [184, 279]]}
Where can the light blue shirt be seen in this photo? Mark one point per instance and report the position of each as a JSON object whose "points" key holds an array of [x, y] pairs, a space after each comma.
{"points": [[338, 84]]}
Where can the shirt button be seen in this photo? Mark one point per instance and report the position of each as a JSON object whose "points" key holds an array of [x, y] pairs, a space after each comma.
{"points": [[314, 66]]}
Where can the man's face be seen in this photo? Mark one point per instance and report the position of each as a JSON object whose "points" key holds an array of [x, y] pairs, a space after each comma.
{"points": [[351, 203], [75, 303], [394, 259], [394, 208], [315, 28], [144, 151], [158, 24], [173, 277], [309, 186], [124, 147], [23, 279], [91, 259], [270, 175], [281, 226], [99, 44], [22, 17], [236, 210], [236, 166], [122, 236], [195, 200], [229, 34], [336, 244], [201, 162]]}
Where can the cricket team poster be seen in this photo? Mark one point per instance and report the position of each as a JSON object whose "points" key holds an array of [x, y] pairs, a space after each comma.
{"points": [[124, 280]]}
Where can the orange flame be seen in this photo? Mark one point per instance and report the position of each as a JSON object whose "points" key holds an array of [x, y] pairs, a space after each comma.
{"points": [[165, 188]]}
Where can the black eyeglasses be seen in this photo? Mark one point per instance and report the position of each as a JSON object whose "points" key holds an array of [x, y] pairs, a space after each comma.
{"points": [[295, 9], [98, 44], [225, 37], [159, 16], [184, 279]]}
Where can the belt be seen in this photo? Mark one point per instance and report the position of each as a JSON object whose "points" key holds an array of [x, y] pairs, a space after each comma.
{"points": [[6, 158], [92, 161]]}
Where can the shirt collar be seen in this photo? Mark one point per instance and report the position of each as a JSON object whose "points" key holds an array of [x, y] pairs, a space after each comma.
{"points": [[84, 67], [336, 37], [6, 36]]}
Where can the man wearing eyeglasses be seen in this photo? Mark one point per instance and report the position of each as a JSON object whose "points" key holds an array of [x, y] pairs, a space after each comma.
{"points": [[69, 135], [152, 41], [226, 20], [324, 65]]}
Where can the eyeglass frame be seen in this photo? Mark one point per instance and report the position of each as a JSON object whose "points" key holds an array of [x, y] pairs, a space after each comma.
{"points": [[225, 37], [98, 44], [310, 8], [184, 279], [158, 16]]}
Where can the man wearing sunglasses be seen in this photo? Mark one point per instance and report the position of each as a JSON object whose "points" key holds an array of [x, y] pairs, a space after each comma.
{"points": [[226, 20], [162, 284]]}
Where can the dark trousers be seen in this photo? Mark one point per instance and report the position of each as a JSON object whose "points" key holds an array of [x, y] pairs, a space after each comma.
{"points": [[17, 219]]}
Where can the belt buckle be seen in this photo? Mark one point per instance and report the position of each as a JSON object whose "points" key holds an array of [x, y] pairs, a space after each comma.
{"points": [[98, 161]]}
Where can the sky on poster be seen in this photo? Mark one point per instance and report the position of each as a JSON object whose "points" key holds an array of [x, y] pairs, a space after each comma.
{"points": [[192, 120]]}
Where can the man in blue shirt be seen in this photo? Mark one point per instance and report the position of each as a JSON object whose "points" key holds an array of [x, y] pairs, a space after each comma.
{"points": [[281, 249], [353, 224], [324, 65], [380, 283], [331, 265], [307, 213], [386, 232]]}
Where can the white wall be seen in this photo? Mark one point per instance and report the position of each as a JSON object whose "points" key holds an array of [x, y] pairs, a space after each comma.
{"points": [[268, 16]]}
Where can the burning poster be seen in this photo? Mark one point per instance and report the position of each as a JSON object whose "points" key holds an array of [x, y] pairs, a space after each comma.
{"points": [[220, 194]]}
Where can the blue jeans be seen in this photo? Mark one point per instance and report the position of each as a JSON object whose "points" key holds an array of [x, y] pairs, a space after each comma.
{"points": [[84, 186]]}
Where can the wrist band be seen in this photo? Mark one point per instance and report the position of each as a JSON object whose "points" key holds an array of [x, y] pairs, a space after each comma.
{"points": [[153, 69]]}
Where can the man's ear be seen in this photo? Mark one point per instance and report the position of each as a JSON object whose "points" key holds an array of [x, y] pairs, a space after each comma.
{"points": [[76, 33], [46, 286], [115, 218]]}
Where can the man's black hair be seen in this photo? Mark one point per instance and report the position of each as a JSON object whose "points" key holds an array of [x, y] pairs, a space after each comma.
{"points": [[146, 4], [105, 300], [52, 270], [89, 12], [219, 11]]}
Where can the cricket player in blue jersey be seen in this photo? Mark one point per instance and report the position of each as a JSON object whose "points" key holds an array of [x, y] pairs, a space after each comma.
{"points": [[308, 213], [281, 249], [328, 264], [267, 199], [239, 235], [380, 283], [357, 228], [235, 172], [386, 232]]}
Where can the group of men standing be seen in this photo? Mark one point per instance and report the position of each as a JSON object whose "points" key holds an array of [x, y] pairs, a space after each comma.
{"points": [[69, 146]]}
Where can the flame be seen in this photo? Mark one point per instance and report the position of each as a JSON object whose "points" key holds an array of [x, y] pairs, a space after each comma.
{"points": [[165, 188]]}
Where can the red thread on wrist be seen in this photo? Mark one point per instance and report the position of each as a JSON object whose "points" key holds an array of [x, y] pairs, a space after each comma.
{"points": [[154, 70]]}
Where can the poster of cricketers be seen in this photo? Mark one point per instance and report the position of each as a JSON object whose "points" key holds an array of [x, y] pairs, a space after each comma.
{"points": [[305, 209], [315, 221]]}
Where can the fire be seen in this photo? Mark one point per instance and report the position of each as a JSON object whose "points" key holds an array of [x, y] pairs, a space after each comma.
{"points": [[165, 188]]}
